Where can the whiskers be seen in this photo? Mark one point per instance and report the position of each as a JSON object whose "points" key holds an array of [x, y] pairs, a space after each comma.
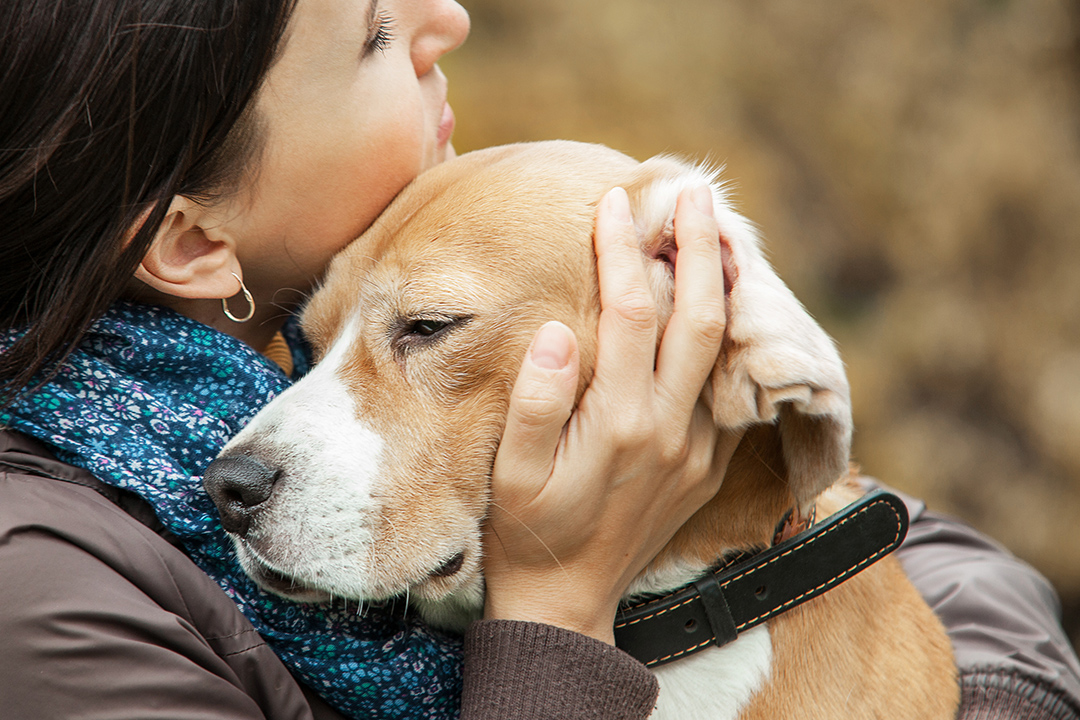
{"points": [[757, 456], [533, 533]]}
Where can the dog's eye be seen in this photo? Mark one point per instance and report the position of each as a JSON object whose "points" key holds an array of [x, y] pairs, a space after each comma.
{"points": [[427, 328], [416, 332]]}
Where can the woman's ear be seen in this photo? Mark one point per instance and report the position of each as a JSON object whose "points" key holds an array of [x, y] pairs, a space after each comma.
{"points": [[192, 255]]}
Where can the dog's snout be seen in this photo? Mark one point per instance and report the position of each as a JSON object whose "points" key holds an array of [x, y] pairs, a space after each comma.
{"points": [[238, 485]]}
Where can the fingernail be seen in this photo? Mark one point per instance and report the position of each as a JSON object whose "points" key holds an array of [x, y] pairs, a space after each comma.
{"points": [[703, 199], [619, 204], [551, 347]]}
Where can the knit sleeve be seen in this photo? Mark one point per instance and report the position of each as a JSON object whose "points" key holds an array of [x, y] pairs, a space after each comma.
{"points": [[529, 671], [997, 693]]}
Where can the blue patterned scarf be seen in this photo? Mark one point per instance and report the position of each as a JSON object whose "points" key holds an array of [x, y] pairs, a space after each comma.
{"points": [[145, 403]]}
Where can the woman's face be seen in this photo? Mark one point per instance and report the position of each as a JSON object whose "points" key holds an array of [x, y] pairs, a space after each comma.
{"points": [[354, 108]]}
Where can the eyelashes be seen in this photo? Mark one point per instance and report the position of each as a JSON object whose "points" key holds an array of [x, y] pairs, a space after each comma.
{"points": [[381, 35]]}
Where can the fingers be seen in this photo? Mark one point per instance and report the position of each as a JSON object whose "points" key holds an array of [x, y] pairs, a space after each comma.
{"points": [[540, 405], [627, 330], [693, 335], [582, 506]]}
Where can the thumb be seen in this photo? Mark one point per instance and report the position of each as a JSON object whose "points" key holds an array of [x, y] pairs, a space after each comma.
{"points": [[540, 405]]}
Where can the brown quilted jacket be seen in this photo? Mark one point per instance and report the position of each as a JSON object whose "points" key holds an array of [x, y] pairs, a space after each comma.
{"points": [[102, 617]]}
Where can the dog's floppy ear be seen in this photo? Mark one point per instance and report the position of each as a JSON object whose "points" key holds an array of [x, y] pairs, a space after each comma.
{"points": [[776, 364]]}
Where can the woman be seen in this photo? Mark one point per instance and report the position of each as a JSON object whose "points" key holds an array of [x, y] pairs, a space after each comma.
{"points": [[160, 156]]}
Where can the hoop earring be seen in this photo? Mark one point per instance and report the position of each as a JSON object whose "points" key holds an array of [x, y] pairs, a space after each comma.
{"points": [[247, 296]]}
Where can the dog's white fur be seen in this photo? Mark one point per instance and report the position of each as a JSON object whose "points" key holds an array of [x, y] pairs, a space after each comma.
{"points": [[743, 664], [386, 447]]}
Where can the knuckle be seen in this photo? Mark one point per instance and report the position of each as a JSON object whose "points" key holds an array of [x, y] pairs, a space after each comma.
{"points": [[636, 309], [698, 466], [675, 452], [539, 406], [708, 318], [634, 429]]}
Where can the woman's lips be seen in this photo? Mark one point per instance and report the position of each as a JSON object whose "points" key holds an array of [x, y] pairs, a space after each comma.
{"points": [[446, 125]]}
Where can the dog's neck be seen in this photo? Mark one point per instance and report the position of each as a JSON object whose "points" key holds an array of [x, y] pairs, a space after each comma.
{"points": [[744, 516]]}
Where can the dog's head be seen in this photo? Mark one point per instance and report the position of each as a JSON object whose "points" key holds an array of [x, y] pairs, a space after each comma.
{"points": [[369, 478]]}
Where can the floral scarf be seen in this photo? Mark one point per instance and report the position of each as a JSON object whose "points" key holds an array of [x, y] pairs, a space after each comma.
{"points": [[145, 403]]}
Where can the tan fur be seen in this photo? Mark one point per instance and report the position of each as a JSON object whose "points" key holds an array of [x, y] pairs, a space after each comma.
{"points": [[503, 237], [869, 648]]}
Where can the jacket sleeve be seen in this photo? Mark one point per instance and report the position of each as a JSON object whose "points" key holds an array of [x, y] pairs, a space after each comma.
{"points": [[529, 671], [77, 643], [81, 636], [1003, 618]]}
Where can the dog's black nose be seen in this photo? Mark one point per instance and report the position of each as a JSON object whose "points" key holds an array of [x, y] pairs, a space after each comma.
{"points": [[238, 485]]}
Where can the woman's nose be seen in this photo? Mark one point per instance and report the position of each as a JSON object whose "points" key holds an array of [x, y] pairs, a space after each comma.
{"points": [[444, 28]]}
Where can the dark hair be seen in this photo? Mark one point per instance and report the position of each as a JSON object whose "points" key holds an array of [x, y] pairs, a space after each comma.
{"points": [[109, 109]]}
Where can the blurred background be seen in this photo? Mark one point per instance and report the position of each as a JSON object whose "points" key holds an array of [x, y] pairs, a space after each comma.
{"points": [[915, 170]]}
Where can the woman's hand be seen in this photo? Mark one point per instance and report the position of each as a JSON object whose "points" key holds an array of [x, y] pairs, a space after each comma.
{"points": [[580, 507]]}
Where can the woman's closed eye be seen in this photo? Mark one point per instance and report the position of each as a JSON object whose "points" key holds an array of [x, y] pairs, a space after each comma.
{"points": [[380, 34]]}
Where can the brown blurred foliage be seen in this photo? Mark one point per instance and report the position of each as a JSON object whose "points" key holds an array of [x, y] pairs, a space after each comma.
{"points": [[915, 170]]}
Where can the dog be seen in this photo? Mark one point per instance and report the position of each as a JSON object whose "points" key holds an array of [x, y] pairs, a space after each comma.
{"points": [[369, 479]]}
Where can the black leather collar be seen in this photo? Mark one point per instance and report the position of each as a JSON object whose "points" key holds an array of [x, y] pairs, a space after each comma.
{"points": [[716, 608]]}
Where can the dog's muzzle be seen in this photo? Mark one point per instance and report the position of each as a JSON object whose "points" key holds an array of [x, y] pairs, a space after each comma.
{"points": [[239, 485]]}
